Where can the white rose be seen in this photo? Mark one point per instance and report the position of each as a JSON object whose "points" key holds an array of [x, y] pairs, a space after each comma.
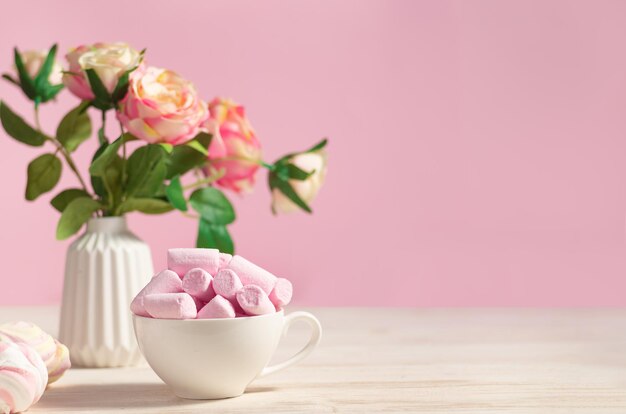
{"points": [[33, 59], [110, 61], [307, 189]]}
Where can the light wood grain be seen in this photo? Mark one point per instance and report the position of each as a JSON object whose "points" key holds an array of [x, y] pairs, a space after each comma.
{"points": [[398, 360]]}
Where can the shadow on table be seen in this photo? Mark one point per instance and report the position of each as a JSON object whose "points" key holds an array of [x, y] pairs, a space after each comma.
{"points": [[145, 395]]}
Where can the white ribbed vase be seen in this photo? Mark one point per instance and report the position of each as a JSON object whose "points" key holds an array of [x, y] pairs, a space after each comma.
{"points": [[104, 270]]}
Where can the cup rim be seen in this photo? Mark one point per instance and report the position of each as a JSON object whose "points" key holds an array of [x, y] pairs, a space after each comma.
{"points": [[216, 320]]}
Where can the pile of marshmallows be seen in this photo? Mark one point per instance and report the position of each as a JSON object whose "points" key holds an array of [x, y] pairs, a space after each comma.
{"points": [[30, 359], [206, 284]]}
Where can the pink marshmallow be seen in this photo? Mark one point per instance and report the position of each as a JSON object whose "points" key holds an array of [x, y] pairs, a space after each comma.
{"points": [[282, 292], [254, 301], [183, 260], [226, 283], [218, 307], [225, 258], [170, 306], [251, 274], [164, 282], [197, 282]]}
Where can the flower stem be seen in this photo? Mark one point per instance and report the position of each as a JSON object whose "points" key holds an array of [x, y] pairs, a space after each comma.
{"points": [[260, 163], [37, 121], [206, 181], [270, 167], [101, 137], [123, 157], [61, 149]]}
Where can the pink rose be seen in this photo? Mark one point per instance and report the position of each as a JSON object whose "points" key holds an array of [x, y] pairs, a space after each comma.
{"points": [[161, 106], [234, 148], [76, 81]]}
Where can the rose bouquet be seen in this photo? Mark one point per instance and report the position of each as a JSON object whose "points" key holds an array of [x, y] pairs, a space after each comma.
{"points": [[188, 150]]}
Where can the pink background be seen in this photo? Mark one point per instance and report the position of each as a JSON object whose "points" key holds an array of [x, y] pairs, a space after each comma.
{"points": [[476, 157]]}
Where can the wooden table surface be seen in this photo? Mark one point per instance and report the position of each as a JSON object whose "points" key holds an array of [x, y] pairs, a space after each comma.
{"points": [[397, 360]]}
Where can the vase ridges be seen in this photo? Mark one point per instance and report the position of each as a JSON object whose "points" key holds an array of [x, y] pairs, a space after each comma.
{"points": [[104, 270], [105, 356]]}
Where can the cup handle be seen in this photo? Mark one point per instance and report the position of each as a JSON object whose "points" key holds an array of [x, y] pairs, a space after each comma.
{"points": [[316, 336]]}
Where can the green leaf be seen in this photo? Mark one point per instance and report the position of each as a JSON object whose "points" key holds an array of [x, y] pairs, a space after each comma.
{"points": [[75, 128], [214, 236], [287, 190], [175, 194], [121, 89], [204, 139], [41, 80], [106, 153], [51, 91], [182, 159], [280, 170], [212, 205], [26, 82], [16, 127], [167, 147], [43, 174], [128, 137], [102, 139], [146, 171], [297, 173], [10, 79], [102, 97], [161, 192], [77, 212], [86, 105], [112, 181], [198, 147], [61, 200], [106, 172], [96, 182], [314, 148], [318, 146], [145, 205]]}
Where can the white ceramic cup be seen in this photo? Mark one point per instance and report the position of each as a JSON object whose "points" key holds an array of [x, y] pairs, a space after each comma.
{"points": [[217, 358]]}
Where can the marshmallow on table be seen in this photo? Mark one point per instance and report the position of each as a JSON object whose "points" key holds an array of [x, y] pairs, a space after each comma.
{"points": [[35, 359], [23, 377], [282, 292], [59, 364], [183, 260], [30, 334], [197, 282], [165, 282], [254, 301], [54, 354], [218, 307], [170, 306], [251, 274], [226, 283]]}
